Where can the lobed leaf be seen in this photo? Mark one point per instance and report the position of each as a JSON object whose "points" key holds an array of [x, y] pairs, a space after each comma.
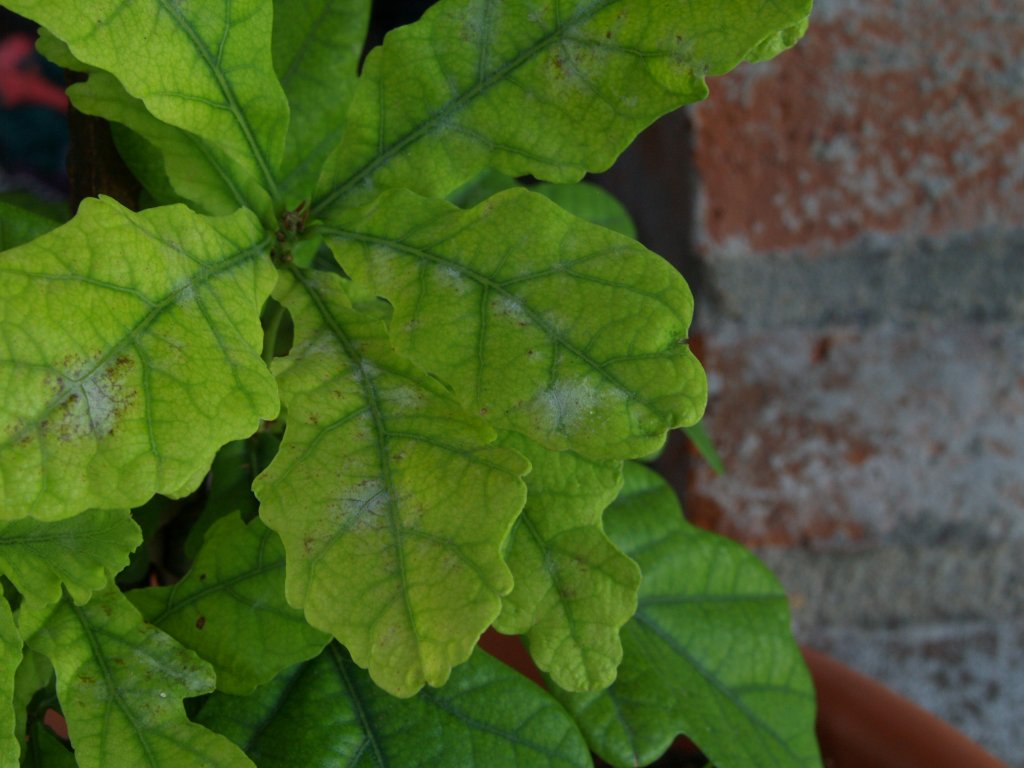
{"points": [[121, 685], [317, 47], [130, 352], [328, 712], [549, 326], [708, 654], [231, 610], [171, 163], [573, 588], [550, 90], [80, 553], [391, 505], [204, 67], [11, 646]]}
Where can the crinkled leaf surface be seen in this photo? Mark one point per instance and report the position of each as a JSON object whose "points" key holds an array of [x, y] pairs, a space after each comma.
{"points": [[551, 90], [130, 352], [10, 657], [121, 683], [561, 330], [205, 66], [709, 653], [317, 45], [20, 224], [573, 588], [230, 607], [169, 161], [80, 553], [391, 505], [328, 712]]}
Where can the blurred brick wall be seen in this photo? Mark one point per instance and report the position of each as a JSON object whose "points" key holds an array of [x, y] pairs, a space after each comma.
{"points": [[860, 226]]}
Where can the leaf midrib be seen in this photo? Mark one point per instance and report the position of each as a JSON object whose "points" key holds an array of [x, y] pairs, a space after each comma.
{"points": [[196, 281], [459, 103], [381, 434], [762, 729], [108, 678], [492, 285], [229, 96], [220, 586]]}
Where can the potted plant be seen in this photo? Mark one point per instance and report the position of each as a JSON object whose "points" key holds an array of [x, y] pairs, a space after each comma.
{"points": [[422, 416]]}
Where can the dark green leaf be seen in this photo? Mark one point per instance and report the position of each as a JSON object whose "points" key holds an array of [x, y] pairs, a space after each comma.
{"points": [[709, 653], [328, 712]]}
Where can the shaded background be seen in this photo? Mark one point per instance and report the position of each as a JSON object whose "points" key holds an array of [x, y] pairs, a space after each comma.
{"points": [[850, 217]]}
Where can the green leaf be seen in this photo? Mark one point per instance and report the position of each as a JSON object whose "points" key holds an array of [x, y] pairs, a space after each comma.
{"points": [[171, 163], [121, 685], [57, 52], [573, 588], [328, 712], [230, 607], [551, 90], [34, 674], [777, 42], [391, 505], [590, 202], [45, 750], [230, 484], [709, 653], [20, 222], [317, 45], [81, 553], [561, 330], [480, 187], [205, 67], [141, 359], [10, 658], [705, 447]]}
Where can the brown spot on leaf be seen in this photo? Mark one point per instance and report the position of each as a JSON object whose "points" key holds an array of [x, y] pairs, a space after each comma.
{"points": [[200, 622]]}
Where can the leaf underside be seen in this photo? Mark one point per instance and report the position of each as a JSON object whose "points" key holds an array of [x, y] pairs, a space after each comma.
{"points": [[391, 504], [328, 712]]}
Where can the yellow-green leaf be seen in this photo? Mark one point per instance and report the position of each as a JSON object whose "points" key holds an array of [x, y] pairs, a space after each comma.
{"points": [[547, 325], [129, 353], [80, 553], [121, 685], [202, 66], [391, 504], [573, 588], [551, 90]]}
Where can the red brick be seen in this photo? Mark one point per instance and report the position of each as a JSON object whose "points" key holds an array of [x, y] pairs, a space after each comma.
{"points": [[890, 116]]}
